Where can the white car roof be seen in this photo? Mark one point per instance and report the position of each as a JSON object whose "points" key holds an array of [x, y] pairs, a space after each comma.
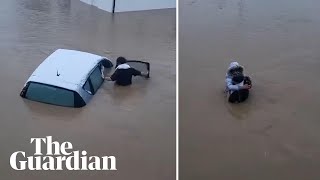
{"points": [[72, 66]]}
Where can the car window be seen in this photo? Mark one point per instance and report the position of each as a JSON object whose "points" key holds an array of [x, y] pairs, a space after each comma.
{"points": [[49, 94], [96, 79]]}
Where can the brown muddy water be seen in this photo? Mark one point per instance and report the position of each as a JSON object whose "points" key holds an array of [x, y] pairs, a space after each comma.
{"points": [[276, 134], [135, 124]]}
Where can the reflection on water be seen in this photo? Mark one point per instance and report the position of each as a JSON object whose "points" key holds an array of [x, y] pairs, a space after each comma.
{"points": [[275, 135], [135, 124]]}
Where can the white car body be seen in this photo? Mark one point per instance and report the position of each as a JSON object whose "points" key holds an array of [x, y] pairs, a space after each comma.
{"points": [[68, 69]]}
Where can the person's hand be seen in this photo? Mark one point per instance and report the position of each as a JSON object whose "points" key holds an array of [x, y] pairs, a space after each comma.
{"points": [[144, 74], [246, 86], [107, 78]]}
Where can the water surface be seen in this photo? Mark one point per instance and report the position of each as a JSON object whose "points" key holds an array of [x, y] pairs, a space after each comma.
{"points": [[275, 135], [136, 124]]}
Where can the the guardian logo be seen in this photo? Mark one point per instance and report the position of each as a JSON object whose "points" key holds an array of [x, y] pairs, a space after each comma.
{"points": [[59, 157]]}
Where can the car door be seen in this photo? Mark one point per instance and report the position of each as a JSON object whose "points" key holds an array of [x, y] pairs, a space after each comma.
{"points": [[139, 65]]}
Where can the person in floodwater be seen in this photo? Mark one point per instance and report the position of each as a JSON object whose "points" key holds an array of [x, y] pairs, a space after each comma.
{"points": [[123, 74], [237, 84]]}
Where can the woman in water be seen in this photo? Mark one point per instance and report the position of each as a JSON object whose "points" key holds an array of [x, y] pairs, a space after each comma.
{"points": [[237, 84]]}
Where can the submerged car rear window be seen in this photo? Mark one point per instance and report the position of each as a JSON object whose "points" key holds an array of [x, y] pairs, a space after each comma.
{"points": [[49, 94]]}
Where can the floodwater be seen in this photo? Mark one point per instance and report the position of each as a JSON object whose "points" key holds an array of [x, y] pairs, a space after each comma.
{"points": [[135, 124], [276, 133]]}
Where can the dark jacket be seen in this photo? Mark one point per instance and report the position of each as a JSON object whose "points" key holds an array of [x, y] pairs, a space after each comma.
{"points": [[123, 74]]}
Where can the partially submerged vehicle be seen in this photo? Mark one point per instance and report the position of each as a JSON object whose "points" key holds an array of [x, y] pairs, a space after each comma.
{"points": [[66, 78], [70, 78]]}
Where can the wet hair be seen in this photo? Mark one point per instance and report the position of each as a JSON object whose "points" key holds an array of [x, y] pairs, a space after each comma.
{"points": [[121, 60]]}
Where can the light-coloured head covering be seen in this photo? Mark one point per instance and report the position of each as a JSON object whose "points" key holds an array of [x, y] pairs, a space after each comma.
{"points": [[233, 65]]}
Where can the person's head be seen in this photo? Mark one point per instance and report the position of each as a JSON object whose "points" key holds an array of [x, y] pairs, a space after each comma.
{"points": [[121, 60], [235, 69]]}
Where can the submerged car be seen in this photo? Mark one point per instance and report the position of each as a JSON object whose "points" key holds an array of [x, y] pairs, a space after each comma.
{"points": [[66, 78]]}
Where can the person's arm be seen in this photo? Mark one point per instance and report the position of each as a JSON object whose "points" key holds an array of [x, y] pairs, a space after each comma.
{"points": [[136, 72], [107, 78], [139, 73], [230, 86], [113, 77], [235, 87]]}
